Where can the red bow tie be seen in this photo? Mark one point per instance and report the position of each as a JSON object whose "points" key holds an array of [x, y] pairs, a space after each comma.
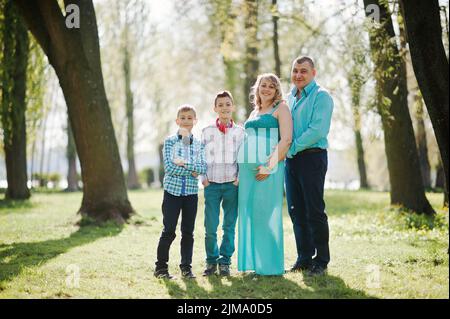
{"points": [[223, 127]]}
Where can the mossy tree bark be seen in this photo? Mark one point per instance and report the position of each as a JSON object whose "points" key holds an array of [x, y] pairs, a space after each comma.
{"points": [[251, 62], [74, 54], [13, 103], [407, 188], [423, 27]]}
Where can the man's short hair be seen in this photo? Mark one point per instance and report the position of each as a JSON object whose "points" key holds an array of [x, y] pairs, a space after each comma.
{"points": [[186, 108], [303, 59], [223, 94]]}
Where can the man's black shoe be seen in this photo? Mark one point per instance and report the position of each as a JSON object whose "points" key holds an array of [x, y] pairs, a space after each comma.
{"points": [[211, 269], [317, 271], [163, 274], [298, 267]]}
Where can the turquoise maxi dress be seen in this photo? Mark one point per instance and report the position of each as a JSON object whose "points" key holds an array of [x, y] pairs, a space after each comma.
{"points": [[260, 232]]}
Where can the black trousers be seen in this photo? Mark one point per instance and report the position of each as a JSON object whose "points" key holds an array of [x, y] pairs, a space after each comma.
{"points": [[305, 179], [171, 208]]}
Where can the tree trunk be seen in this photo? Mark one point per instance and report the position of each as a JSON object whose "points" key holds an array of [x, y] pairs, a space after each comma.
{"points": [[49, 153], [440, 181], [42, 150], [446, 195], [229, 62], [446, 198], [222, 15], [356, 82], [421, 138], [132, 178], [161, 164], [72, 176], [33, 157], [276, 51], [230, 76], [440, 176], [15, 60], [75, 56], [358, 138], [361, 162], [402, 158], [251, 63], [416, 107], [423, 27]]}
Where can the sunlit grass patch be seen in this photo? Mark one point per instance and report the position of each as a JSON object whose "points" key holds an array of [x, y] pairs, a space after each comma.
{"points": [[375, 253]]}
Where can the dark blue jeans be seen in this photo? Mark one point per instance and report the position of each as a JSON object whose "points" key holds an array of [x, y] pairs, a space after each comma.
{"points": [[171, 207], [305, 179]]}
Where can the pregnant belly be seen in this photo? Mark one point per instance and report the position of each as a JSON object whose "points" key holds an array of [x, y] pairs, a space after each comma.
{"points": [[255, 151]]}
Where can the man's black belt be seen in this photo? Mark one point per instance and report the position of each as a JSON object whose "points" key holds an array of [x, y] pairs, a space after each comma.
{"points": [[312, 150]]}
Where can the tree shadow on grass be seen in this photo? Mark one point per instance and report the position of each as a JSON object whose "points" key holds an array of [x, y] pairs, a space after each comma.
{"points": [[17, 256], [14, 204], [265, 287]]}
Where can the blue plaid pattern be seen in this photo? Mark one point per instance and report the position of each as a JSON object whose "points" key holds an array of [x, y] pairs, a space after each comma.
{"points": [[178, 180]]}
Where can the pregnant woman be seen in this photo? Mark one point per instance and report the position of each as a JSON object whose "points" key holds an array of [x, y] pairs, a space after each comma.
{"points": [[261, 179]]}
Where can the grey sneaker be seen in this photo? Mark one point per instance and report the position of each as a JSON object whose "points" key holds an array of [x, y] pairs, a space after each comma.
{"points": [[224, 270], [211, 269], [187, 273]]}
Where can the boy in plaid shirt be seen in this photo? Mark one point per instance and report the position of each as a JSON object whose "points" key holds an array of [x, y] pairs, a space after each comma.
{"points": [[222, 141], [184, 161]]}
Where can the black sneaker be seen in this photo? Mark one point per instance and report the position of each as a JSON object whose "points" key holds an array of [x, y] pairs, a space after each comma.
{"points": [[187, 273], [211, 269], [317, 271], [163, 274], [299, 267], [224, 270]]}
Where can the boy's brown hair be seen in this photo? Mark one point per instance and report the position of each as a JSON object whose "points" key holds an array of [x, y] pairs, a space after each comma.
{"points": [[186, 108], [224, 94]]}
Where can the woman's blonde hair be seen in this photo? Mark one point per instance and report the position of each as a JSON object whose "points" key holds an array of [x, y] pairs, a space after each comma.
{"points": [[254, 96]]}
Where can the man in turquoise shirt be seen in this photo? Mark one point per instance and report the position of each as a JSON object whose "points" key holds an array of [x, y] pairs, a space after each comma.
{"points": [[306, 165]]}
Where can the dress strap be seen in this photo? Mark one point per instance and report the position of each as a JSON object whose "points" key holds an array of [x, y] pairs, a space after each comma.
{"points": [[275, 107]]}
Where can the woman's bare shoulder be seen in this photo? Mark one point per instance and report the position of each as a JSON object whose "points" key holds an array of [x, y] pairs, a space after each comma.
{"points": [[282, 108]]}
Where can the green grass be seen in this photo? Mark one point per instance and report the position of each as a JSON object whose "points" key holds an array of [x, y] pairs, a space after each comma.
{"points": [[376, 252]]}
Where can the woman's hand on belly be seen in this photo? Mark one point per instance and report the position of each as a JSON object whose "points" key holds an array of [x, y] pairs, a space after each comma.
{"points": [[262, 172]]}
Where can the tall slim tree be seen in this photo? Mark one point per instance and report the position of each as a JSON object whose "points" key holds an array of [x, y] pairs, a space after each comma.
{"points": [[423, 27], [421, 138], [72, 176], [132, 13], [73, 51], [13, 103], [356, 77], [132, 178], [276, 50], [405, 177], [251, 62], [355, 87], [36, 108], [223, 20]]}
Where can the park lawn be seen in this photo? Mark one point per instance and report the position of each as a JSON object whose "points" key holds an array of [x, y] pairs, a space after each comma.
{"points": [[375, 254]]}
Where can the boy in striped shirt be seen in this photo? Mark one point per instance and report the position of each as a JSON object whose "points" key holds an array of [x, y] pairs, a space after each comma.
{"points": [[222, 141]]}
